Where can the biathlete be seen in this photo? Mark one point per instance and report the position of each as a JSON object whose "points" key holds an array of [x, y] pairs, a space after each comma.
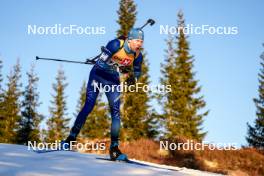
{"points": [[118, 56]]}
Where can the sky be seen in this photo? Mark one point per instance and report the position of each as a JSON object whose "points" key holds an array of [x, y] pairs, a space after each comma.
{"points": [[226, 66]]}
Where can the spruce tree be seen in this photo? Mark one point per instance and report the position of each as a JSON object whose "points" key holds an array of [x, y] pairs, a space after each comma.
{"points": [[11, 106], [126, 16], [126, 20], [135, 117], [1, 78], [146, 116], [182, 106], [29, 124], [2, 119], [97, 125], [255, 136], [58, 122], [168, 78], [82, 98], [138, 121], [98, 122]]}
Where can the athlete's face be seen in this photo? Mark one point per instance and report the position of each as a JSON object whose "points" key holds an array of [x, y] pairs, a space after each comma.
{"points": [[135, 44]]}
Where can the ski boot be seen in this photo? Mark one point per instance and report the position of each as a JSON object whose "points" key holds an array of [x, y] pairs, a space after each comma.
{"points": [[116, 154]]}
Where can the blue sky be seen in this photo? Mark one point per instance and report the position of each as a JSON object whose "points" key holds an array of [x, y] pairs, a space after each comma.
{"points": [[225, 65]]}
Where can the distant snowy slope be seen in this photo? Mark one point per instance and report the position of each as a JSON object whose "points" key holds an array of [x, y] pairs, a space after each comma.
{"points": [[17, 160]]}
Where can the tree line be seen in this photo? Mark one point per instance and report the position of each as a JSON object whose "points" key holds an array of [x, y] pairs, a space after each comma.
{"points": [[183, 109], [20, 119]]}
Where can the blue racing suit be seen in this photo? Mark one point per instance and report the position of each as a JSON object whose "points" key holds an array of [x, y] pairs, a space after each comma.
{"points": [[104, 72]]}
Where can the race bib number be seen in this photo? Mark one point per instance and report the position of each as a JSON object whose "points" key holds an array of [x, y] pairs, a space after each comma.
{"points": [[125, 62]]}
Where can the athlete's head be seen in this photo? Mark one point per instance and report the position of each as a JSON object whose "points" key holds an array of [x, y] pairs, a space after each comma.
{"points": [[135, 39]]}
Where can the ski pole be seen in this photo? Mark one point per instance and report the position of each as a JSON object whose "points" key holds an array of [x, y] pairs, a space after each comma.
{"points": [[88, 61]]}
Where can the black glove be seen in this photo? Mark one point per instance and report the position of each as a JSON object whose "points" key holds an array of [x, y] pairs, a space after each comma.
{"points": [[125, 69]]}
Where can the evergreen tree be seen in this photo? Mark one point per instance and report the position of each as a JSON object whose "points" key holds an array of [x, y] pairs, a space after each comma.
{"points": [[81, 99], [126, 20], [183, 104], [255, 136], [29, 124], [58, 122], [98, 121], [126, 16], [148, 117], [2, 119], [11, 106], [1, 79], [135, 118], [138, 121], [168, 78]]}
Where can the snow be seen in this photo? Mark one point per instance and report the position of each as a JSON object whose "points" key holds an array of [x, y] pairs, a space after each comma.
{"points": [[18, 160]]}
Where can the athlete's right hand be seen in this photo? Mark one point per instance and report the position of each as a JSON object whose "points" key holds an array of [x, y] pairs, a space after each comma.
{"points": [[125, 69]]}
